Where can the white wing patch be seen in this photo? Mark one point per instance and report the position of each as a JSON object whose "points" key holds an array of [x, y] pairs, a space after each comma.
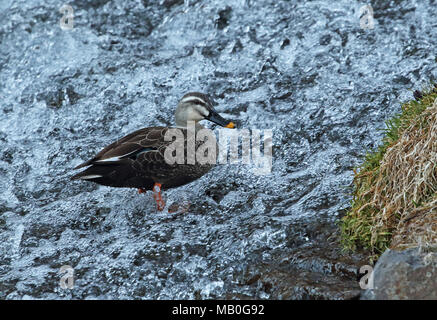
{"points": [[91, 176], [112, 159], [118, 158]]}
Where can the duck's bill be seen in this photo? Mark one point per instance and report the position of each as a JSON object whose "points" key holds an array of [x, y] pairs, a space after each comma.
{"points": [[218, 119]]}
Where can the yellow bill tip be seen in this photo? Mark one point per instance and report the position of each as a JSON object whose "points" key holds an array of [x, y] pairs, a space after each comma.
{"points": [[230, 125]]}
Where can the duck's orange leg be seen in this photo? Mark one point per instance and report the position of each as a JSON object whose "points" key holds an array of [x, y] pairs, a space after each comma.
{"points": [[158, 197]]}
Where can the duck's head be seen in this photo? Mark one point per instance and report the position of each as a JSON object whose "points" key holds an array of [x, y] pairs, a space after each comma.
{"points": [[196, 106]]}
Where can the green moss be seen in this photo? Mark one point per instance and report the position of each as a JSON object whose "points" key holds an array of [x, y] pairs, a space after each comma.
{"points": [[358, 227]]}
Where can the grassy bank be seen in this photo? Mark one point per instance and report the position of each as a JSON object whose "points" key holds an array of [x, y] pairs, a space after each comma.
{"points": [[394, 201]]}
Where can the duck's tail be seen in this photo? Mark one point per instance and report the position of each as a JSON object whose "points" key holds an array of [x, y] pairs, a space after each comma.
{"points": [[114, 175], [97, 173]]}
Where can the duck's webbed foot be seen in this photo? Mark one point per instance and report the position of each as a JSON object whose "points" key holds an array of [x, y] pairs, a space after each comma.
{"points": [[141, 190]]}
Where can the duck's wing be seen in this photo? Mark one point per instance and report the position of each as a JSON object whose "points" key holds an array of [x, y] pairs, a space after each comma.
{"points": [[128, 160], [139, 141]]}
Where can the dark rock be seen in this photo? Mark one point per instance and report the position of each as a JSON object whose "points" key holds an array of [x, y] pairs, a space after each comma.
{"points": [[285, 43], [418, 95], [325, 39], [223, 17], [404, 275]]}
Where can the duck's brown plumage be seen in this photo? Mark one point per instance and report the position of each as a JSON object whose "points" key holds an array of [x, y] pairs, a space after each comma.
{"points": [[137, 161]]}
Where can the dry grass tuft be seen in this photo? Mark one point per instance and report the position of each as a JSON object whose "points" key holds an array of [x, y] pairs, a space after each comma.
{"points": [[395, 195]]}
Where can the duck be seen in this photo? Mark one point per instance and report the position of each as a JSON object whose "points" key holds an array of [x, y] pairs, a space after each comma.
{"points": [[138, 160]]}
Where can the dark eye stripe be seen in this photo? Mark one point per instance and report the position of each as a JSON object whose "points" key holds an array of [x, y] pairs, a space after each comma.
{"points": [[200, 103]]}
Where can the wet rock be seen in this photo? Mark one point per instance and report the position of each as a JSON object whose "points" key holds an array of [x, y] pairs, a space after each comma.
{"points": [[72, 95], [285, 43], [325, 39], [223, 18], [54, 99], [305, 270], [168, 3], [418, 95], [410, 274]]}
